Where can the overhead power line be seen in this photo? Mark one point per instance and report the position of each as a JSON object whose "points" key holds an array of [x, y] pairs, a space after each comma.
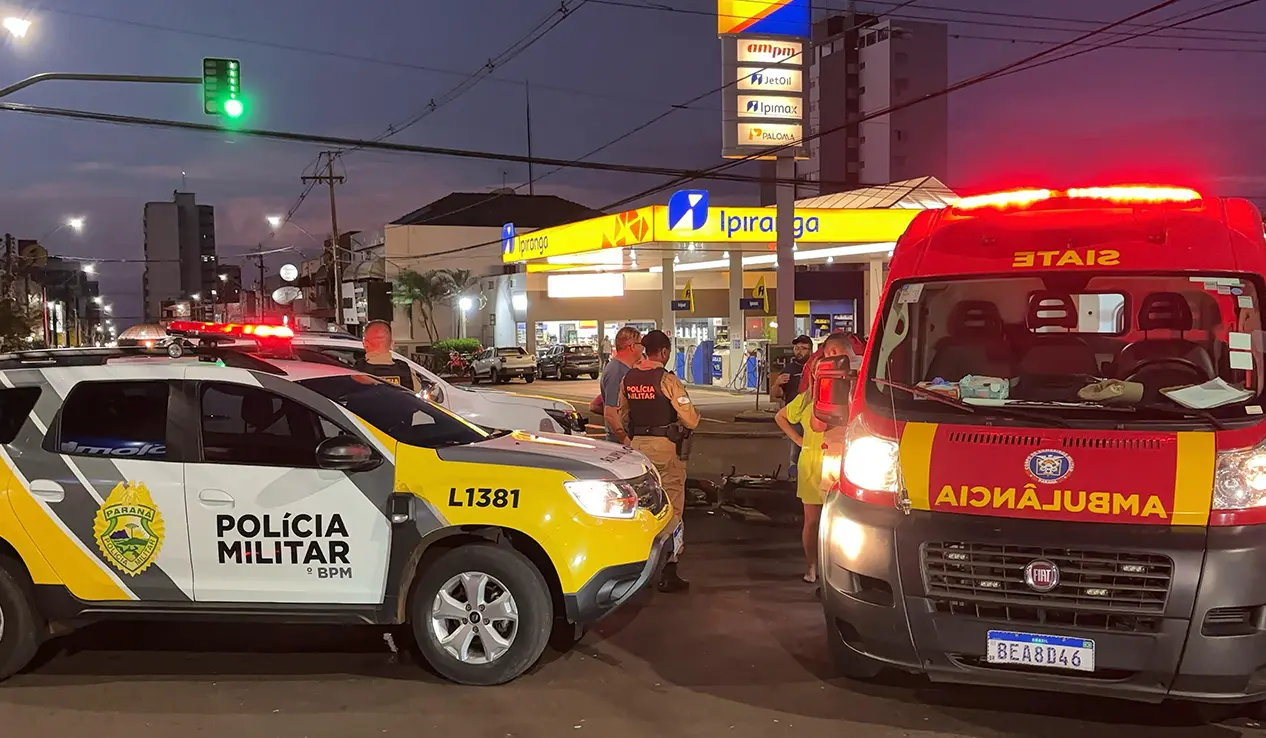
{"points": [[1027, 62], [387, 146]]}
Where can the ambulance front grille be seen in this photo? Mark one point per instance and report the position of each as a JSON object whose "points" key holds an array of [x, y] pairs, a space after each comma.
{"points": [[1108, 590]]}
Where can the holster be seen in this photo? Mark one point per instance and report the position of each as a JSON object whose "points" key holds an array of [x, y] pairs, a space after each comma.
{"points": [[684, 440]]}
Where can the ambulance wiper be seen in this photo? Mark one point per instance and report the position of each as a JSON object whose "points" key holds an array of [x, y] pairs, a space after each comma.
{"points": [[925, 394], [1182, 412]]}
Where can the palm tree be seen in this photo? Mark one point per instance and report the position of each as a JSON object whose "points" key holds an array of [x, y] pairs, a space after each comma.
{"points": [[460, 280], [423, 290]]}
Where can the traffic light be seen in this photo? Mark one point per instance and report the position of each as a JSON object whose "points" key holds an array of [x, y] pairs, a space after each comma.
{"points": [[222, 87]]}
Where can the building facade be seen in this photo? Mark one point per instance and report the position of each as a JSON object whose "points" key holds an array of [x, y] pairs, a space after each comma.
{"points": [[180, 253]]}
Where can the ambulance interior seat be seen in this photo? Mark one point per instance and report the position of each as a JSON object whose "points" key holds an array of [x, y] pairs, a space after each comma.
{"points": [[1055, 353], [1167, 311], [975, 344]]}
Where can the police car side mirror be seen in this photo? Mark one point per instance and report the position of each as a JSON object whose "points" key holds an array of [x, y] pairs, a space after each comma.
{"points": [[345, 453]]}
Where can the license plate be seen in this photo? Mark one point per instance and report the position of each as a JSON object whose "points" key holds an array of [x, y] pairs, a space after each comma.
{"points": [[1045, 651], [677, 539]]}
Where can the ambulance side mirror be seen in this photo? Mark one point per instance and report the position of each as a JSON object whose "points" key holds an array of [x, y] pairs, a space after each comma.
{"points": [[346, 453], [832, 388]]}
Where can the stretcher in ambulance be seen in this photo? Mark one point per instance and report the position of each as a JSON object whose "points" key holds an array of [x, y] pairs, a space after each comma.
{"points": [[1052, 470]]}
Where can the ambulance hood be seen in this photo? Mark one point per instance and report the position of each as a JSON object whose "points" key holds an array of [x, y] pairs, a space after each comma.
{"points": [[581, 457], [1148, 478]]}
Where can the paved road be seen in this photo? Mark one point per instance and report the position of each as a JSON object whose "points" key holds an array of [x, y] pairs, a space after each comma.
{"points": [[739, 656], [716, 405]]}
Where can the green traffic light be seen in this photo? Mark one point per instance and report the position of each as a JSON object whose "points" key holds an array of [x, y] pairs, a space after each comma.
{"points": [[233, 108]]}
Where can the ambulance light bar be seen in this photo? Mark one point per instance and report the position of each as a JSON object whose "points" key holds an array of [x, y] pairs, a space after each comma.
{"points": [[230, 330], [1122, 195]]}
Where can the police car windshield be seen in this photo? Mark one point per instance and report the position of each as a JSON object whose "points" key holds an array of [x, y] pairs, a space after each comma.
{"points": [[396, 412], [1140, 350]]}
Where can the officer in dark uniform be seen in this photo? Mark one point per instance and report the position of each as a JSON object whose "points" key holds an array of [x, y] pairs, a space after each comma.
{"points": [[657, 417], [379, 362]]}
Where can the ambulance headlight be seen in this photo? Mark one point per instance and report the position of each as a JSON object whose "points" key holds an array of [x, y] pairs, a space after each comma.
{"points": [[1240, 481], [870, 462], [603, 499]]}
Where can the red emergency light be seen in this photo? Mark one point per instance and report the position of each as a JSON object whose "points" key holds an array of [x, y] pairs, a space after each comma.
{"points": [[1118, 195], [232, 330]]}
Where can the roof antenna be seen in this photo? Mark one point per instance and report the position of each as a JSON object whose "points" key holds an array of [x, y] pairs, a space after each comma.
{"points": [[504, 175]]}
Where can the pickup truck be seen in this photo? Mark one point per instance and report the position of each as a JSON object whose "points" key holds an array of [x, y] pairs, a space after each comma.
{"points": [[503, 363]]}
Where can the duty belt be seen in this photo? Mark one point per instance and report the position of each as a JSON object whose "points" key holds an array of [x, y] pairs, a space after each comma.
{"points": [[652, 430]]}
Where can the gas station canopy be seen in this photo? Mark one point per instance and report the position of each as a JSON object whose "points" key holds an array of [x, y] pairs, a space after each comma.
{"points": [[873, 216]]}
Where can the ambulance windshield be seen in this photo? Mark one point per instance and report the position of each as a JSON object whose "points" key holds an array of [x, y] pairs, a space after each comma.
{"points": [[1133, 350]]}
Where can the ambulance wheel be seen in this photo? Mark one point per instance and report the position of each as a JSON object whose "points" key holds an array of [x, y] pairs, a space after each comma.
{"points": [[482, 614], [19, 625], [849, 663]]}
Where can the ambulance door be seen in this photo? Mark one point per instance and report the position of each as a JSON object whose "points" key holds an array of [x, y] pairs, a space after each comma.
{"points": [[266, 523]]}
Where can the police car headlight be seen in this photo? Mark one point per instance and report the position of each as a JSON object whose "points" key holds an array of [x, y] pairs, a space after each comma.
{"points": [[870, 462], [603, 499], [1240, 480]]}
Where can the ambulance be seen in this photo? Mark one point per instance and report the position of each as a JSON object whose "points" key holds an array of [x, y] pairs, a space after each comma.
{"points": [[1052, 472]]}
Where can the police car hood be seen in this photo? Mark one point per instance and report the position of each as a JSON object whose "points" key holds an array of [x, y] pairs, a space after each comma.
{"points": [[581, 457], [513, 398]]}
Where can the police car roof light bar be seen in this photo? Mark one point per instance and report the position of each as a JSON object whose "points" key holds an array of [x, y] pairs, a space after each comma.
{"points": [[98, 356], [233, 330]]}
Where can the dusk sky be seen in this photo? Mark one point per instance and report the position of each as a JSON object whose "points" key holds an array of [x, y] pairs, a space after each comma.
{"points": [[1191, 116]]}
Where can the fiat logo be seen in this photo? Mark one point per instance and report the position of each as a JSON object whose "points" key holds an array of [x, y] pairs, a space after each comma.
{"points": [[1041, 575]]}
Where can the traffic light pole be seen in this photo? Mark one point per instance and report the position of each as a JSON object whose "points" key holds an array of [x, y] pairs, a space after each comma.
{"points": [[142, 78]]}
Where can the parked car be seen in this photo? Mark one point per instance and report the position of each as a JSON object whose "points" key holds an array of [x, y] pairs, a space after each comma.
{"points": [[570, 361], [503, 363], [487, 408]]}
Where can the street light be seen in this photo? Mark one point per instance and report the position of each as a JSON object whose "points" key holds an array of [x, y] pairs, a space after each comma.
{"points": [[17, 27], [196, 297], [97, 299], [465, 304], [90, 269], [274, 221], [75, 224]]}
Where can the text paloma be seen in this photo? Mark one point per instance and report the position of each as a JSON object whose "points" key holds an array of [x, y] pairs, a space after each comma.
{"points": [[1060, 500]]}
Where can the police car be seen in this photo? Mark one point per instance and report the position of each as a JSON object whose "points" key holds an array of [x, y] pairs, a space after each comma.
{"points": [[227, 484]]}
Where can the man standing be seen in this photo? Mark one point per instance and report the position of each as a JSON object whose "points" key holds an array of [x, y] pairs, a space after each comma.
{"points": [[604, 351], [628, 349], [787, 386], [654, 409], [378, 360]]}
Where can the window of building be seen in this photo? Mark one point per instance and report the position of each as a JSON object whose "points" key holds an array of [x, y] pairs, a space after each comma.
{"points": [[883, 34], [252, 426], [115, 420], [862, 89], [824, 51], [898, 134], [861, 66]]}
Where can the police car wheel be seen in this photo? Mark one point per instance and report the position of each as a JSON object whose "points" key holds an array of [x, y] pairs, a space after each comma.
{"points": [[848, 662], [529, 378], [482, 614], [19, 626]]}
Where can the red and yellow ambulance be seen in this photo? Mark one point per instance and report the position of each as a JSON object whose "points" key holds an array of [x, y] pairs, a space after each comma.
{"points": [[1053, 473]]}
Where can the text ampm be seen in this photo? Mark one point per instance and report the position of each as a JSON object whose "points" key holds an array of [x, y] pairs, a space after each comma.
{"points": [[773, 51], [732, 225], [1028, 497]]}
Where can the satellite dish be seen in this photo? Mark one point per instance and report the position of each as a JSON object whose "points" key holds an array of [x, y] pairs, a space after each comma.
{"points": [[289, 272], [286, 295]]}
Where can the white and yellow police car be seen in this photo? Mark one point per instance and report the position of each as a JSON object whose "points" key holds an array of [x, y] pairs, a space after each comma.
{"points": [[255, 487]]}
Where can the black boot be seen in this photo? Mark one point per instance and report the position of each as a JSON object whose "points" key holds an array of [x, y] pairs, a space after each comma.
{"points": [[670, 582]]}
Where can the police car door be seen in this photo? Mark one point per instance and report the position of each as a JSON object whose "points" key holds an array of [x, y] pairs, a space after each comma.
{"points": [[266, 524]]}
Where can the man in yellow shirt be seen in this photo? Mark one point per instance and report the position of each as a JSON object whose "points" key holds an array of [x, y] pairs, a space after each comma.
{"points": [[809, 478]]}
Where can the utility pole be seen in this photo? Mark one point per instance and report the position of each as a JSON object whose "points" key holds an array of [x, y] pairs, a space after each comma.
{"points": [[527, 92], [336, 269], [8, 267]]}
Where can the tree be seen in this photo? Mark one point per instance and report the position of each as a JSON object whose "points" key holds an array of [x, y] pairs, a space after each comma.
{"points": [[16, 326], [460, 280], [421, 291]]}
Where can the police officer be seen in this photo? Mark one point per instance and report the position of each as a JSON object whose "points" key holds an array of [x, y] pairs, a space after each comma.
{"points": [[379, 362], [655, 415]]}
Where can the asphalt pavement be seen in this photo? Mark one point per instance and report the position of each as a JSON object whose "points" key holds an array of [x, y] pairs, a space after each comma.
{"points": [[741, 654]]}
